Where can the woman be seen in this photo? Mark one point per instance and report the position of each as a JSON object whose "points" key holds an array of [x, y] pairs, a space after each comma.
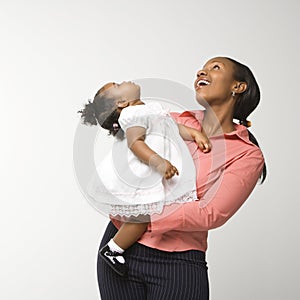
{"points": [[168, 262]]}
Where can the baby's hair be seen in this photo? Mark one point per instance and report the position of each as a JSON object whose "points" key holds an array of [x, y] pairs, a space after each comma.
{"points": [[102, 111], [88, 114]]}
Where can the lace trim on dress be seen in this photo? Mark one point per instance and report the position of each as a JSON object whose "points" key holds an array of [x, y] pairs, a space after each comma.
{"points": [[149, 208]]}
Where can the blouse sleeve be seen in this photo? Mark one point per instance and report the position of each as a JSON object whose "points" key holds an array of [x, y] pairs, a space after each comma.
{"points": [[238, 182], [133, 116]]}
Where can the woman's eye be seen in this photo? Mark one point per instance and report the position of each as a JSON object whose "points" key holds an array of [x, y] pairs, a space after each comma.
{"points": [[216, 67]]}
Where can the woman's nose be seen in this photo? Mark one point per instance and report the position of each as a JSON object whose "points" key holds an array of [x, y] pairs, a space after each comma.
{"points": [[201, 73]]}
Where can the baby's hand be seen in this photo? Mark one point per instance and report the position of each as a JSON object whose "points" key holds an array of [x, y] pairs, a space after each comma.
{"points": [[163, 166], [202, 140], [170, 170]]}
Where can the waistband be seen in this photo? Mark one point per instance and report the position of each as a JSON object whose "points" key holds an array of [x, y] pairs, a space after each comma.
{"points": [[144, 251]]}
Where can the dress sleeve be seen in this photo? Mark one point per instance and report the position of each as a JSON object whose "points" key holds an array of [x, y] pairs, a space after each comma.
{"points": [[133, 116], [238, 182]]}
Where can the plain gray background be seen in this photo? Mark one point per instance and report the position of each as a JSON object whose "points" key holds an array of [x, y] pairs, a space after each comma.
{"points": [[56, 54]]}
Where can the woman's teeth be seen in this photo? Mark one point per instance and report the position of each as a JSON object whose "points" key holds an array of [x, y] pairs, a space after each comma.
{"points": [[203, 82]]}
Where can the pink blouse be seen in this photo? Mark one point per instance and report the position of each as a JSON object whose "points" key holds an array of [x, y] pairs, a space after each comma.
{"points": [[225, 178]]}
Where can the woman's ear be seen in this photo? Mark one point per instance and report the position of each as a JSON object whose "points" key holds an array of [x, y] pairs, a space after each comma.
{"points": [[240, 87]]}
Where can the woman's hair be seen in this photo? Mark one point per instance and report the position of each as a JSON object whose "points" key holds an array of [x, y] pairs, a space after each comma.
{"points": [[246, 101], [102, 111]]}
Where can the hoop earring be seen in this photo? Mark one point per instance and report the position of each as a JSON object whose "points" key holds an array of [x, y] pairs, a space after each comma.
{"points": [[233, 93]]}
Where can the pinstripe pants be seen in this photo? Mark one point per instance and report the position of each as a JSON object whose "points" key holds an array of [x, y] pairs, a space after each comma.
{"points": [[154, 274]]}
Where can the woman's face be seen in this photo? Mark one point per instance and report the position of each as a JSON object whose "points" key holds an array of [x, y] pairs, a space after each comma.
{"points": [[125, 91], [215, 81]]}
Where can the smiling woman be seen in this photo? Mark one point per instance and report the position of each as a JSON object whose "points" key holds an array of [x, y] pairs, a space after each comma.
{"points": [[227, 78], [168, 261], [215, 80], [225, 86]]}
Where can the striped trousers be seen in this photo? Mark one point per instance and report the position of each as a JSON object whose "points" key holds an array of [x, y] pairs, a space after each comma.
{"points": [[154, 274]]}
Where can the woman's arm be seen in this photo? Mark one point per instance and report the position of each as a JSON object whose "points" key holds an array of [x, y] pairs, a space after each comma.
{"points": [[239, 179], [136, 143]]}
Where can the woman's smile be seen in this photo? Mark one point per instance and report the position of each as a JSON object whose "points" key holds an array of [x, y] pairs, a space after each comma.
{"points": [[201, 82]]}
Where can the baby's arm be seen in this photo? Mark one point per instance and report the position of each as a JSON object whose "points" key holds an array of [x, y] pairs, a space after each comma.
{"points": [[136, 143], [192, 134]]}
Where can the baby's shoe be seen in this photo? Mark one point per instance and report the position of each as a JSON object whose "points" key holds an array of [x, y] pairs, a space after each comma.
{"points": [[114, 259]]}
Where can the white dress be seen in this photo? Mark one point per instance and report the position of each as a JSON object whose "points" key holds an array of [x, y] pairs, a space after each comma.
{"points": [[124, 186]]}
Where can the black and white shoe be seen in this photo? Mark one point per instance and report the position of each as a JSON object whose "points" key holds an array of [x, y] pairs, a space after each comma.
{"points": [[114, 259]]}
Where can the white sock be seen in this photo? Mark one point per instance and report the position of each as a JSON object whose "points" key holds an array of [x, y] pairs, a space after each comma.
{"points": [[114, 247]]}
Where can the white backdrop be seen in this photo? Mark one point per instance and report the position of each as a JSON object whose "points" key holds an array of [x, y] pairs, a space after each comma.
{"points": [[56, 54]]}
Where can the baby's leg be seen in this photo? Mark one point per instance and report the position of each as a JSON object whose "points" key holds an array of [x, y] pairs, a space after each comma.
{"points": [[129, 233]]}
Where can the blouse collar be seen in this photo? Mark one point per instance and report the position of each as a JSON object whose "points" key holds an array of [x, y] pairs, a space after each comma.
{"points": [[240, 131]]}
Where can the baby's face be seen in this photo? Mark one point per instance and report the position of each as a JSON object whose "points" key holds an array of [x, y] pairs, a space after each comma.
{"points": [[126, 91]]}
